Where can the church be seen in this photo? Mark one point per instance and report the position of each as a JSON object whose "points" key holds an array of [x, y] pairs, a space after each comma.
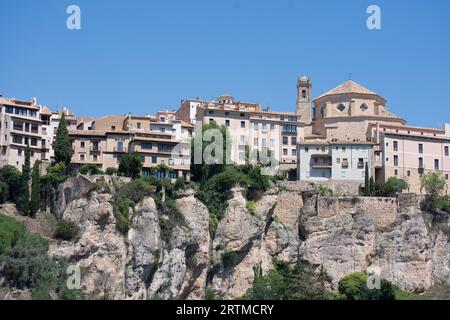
{"points": [[350, 127]]}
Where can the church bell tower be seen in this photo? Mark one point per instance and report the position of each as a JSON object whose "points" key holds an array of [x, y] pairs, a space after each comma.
{"points": [[304, 99]]}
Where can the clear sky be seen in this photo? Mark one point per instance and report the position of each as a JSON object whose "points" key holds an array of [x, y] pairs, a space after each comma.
{"points": [[143, 56]]}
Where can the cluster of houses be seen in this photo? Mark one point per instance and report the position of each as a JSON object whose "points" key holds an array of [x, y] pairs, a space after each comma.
{"points": [[331, 138]]}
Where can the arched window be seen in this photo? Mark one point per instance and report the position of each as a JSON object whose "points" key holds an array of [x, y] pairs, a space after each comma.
{"points": [[341, 107], [364, 107], [304, 94]]}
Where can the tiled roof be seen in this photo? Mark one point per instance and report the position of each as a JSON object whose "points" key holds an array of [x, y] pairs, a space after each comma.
{"points": [[348, 87]]}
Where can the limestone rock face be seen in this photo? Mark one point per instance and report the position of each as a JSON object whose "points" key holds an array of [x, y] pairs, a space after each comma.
{"points": [[170, 253], [405, 251]]}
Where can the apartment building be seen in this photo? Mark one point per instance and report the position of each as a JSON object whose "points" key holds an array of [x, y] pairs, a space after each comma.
{"points": [[159, 140], [249, 125], [407, 152], [338, 161], [21, 125]]}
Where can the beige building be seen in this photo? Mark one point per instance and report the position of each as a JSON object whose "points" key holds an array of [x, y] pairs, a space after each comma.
{"points": [[249, 125], [159, 140], [21, 124], [353, 115]]}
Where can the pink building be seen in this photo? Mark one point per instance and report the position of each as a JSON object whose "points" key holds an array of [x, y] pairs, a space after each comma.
{"points": [[407, 152]]}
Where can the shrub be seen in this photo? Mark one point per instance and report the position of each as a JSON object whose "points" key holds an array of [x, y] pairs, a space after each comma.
{"points": [[66, 230], [4, 191], [11, 231], [11, 177], [229, 259], [354, 287], [289, 282], [433, 184], [251, 207], [131, 165], [111, 171], [443, 203], [180, 184], [391, 187], [89, 169]]}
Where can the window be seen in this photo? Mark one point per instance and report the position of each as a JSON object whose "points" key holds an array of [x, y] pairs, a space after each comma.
{"points": [[113, 128], [303, 94], [119, 145], [293, 141], [285, 152], [272, 142], [264, 143], [242, 115], [82, 157], [138, 125], [360, 163], [18, 126], [344, 163], [17, 139], [292, 118], [146, 145], [9, 110], [210, 112], [446, 176], [227, 113], [82, 144], [264, 127], [154, 159], [227, 123], [27, 127], [343, 149], [211, 120], [341, 107], [446, 151], [164, 147], [242, 124], [171, 162], [421, 163], [255, 126], [395, 145], [272, 126], [306, 149], [322, 149], [420, 148], [255, 141], [396, 161], [242, 140], [95, 157], [33, 142], [289, 128], [338, 160], [19, 152], [436, 164], [395, 172], [282, 118], [294, 152], [285, 140], [363, 107], [408, 173]]}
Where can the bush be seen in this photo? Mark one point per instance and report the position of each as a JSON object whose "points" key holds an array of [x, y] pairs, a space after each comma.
{"points": [[66, 230], [11, 231], [11, 177], [354, 287], [433, 184], [89, 169], [230, 259], [180, 184], [390, 188], [286, 282], [131, 165], [111, 171], [251, 207], [443, 203]]}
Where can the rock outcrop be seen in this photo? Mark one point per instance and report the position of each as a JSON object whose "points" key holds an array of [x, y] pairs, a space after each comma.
{"points": [[382, 235]]}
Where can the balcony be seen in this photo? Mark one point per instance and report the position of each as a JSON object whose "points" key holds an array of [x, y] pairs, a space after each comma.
{"points": [[319, 162], [95, 150]]}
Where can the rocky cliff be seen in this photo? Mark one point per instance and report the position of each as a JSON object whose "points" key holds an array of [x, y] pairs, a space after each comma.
{"points": [[384, 235]]}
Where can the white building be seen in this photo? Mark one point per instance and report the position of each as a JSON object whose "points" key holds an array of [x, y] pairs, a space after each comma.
{"points": [[339, 161]]}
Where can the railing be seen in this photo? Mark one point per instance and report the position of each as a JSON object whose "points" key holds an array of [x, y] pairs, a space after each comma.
{"points": [[117, 149]]}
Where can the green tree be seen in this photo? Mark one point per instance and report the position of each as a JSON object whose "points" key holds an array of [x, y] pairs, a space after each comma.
{"points": [[433, 184], [62, 146], [391, 187], [35, 202], [371, 186], [131, 165], [12, 177], [355, 287], [24, 198], [366, 181]]}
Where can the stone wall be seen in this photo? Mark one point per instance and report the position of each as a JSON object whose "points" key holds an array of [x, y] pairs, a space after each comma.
{"points": [[383, 211], [339, 188]]}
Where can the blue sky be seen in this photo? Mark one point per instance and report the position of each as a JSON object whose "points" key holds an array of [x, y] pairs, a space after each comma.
{"points": [[143, 56]]}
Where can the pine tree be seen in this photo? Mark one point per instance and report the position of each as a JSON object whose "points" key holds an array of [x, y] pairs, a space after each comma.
{"points": [[62, 145], [24, 198], [35, 201], [367, 181]]}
